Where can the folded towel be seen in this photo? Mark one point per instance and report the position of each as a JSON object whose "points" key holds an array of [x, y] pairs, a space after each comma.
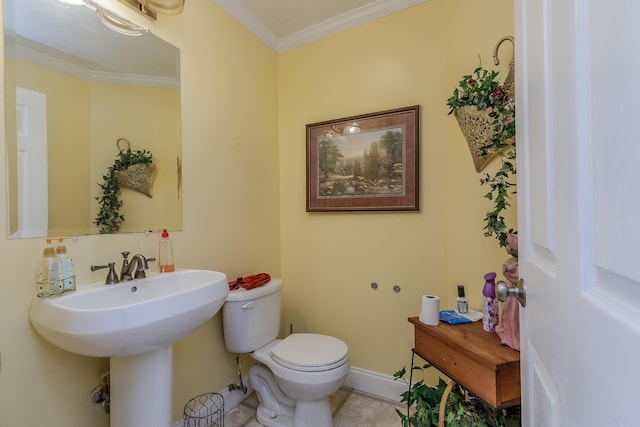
{"points": [[249, 282]]}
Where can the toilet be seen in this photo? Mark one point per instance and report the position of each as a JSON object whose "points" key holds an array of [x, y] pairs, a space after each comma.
{"points": [[293, 377]]}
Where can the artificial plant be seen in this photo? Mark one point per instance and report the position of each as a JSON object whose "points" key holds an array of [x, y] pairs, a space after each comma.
{"points": [[484, 91], [109, 218]]}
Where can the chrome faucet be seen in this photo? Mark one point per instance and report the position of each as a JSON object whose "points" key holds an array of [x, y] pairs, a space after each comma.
{"points": [[139, 262]]}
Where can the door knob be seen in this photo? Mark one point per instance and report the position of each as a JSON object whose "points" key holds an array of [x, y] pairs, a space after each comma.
{"points": [[518, 292]]}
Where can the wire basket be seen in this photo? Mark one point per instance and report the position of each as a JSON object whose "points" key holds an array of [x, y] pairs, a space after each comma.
{"points": [[204, 410]]}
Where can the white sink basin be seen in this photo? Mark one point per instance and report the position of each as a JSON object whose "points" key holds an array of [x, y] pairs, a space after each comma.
{"points": [[134, 324], [131, 317]]}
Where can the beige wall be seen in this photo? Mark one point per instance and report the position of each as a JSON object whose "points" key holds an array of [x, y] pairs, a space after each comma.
{"points": [[244, 111], [231, 223], [416, 56]]}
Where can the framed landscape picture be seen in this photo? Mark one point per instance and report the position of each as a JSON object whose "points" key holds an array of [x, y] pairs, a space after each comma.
{"points": [[364, 163]]}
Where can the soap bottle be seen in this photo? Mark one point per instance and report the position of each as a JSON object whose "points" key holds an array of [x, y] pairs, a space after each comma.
{"points": [[65, 266], [462, 304], [489, 303], [47, 273], [165, 255]]}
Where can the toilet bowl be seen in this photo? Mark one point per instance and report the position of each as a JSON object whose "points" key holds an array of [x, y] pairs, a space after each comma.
{"points": [[293, 377]]}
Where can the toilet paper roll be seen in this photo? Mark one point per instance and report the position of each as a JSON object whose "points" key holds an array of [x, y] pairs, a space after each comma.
{"points": [[430, 313]]}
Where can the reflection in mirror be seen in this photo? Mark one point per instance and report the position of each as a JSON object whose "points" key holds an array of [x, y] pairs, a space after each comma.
{"points": [[73, 88]]}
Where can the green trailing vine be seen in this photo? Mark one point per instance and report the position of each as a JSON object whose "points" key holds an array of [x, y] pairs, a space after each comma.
{"points": [[485, 92], [109, 218], [462, 410]]}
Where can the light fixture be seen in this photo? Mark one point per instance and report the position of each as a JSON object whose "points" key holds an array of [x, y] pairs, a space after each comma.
{"points": [[351, 129], [72, 2], [119, 24], [140, 8], [166, 7]]}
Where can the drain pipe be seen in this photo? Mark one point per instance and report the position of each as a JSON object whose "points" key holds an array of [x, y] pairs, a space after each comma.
{"points": [[241, 386], [102, 393]]}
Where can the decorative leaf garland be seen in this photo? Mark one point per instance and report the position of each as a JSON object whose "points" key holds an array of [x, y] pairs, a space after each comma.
{"points": [[484, 91], [109, 219]]}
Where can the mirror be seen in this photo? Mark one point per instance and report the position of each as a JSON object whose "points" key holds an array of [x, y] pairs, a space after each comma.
{"points": [[73, 88]]}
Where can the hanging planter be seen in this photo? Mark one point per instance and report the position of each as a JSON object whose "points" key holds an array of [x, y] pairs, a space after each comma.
{"points": [[138, 178], [485, 112], [133, 170], [478, 127]]}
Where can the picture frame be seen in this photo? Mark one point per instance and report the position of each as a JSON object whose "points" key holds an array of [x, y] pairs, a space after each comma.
{"points": [[364, 163]]}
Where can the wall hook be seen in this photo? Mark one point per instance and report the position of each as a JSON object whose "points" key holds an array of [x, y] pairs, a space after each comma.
{"points": [[511, 74]]}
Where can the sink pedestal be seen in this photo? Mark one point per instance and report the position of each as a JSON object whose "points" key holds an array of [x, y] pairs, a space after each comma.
{"points": [[141, 387]]}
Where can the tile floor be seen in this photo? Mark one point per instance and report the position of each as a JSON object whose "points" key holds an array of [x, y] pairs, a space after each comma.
{"points": [[351, 408]]}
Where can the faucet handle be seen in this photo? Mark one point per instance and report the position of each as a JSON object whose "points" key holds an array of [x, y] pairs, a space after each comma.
{"points": [[112, 277]]}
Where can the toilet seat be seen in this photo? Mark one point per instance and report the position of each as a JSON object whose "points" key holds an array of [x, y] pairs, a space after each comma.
{"points": [[310, 352]]}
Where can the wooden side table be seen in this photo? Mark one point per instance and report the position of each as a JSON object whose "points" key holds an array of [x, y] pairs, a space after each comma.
{"points": [[473, 358]]}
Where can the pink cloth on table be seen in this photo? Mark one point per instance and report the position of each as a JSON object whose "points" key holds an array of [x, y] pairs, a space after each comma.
{"points": [[509, 327]]}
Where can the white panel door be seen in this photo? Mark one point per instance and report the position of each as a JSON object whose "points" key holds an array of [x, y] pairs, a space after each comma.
{"points": [[578, 124], [33, 199]]}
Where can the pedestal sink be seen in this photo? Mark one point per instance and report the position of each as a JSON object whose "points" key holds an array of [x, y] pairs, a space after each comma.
{"points": [[135, 324]]}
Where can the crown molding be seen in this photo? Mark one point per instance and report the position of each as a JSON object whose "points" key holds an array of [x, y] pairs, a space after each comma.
{"points": [[345, 21], [342, 22], [26, 53]]}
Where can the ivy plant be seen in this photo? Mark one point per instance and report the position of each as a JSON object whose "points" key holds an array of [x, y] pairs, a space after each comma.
{"points": [[462, 409], [109, 219], [483, 90]]}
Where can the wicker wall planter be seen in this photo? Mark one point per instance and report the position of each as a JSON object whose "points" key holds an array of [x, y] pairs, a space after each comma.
{"points": [[137, 178], [478, 130]]}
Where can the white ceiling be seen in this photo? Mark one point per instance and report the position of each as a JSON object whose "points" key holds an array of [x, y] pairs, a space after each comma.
{"points": [[286, 24]]}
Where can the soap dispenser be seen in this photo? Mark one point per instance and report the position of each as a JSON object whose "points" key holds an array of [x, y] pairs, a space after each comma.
{"points": [[65, 266], [165, 255], [47, 274]]}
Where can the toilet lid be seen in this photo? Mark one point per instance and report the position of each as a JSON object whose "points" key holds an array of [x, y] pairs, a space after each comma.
{"points": [[310, 352]]}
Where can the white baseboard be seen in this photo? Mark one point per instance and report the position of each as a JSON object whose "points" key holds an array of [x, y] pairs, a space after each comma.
{"points": [[359, 379], [375, 383]]}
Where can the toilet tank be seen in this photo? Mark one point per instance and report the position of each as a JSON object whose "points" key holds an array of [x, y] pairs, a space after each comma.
{"points": [[251, 319]]}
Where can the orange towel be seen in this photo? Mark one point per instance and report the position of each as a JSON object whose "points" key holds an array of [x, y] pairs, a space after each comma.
{"points": [[249, 282]]}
